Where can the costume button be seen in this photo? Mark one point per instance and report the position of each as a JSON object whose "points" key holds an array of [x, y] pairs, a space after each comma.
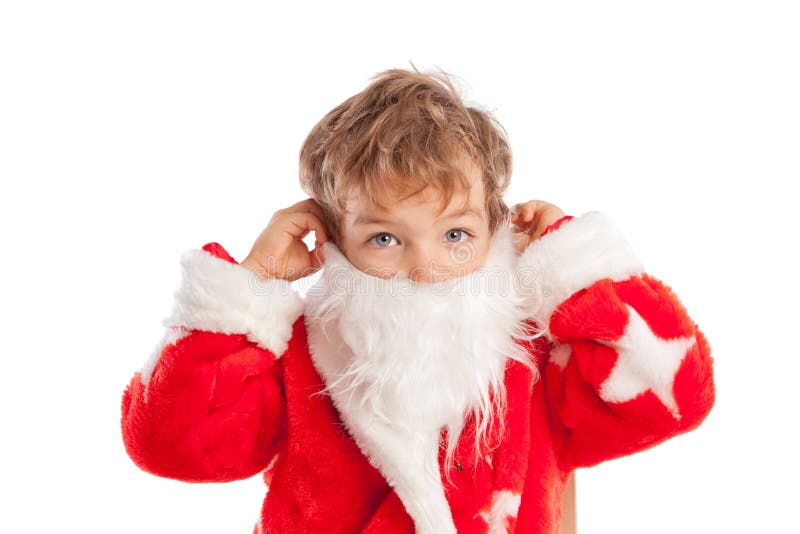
{"points": [[458, 466]]}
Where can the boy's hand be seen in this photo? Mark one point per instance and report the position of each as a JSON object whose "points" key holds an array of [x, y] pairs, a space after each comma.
{"points": [[532, 218], [279, 252]]}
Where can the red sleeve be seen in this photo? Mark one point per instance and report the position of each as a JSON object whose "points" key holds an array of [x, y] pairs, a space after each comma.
{"points": [[627, 368], [209, 404]]}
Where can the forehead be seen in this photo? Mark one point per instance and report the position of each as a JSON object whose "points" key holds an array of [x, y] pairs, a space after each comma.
{"points": [[360, 205]]}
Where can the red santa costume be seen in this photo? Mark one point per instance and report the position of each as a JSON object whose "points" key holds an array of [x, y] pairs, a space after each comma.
{"points": [[389, 406]]}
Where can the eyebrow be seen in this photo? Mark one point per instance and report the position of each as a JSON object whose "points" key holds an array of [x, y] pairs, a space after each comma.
{"points": [[367, 219]]}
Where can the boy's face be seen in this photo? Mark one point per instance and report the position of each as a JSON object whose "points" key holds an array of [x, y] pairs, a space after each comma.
{"points": [[411, 241]]}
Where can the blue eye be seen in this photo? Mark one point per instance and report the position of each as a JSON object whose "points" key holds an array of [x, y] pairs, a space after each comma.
{"points": [[457, 232], [383, 239]]}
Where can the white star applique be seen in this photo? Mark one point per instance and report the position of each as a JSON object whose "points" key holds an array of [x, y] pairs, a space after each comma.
{"points": [[645, 361], [505, 503], [560, 355]]}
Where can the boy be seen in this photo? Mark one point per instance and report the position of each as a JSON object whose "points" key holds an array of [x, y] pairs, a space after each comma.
{"points": [[452, 365]]}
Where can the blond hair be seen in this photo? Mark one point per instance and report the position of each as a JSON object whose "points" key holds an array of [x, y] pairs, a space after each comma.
{"points": [[407, 130]]}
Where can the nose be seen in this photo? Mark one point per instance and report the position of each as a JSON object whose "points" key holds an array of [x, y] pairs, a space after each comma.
{"points": [[420, 274], [423, 267]]}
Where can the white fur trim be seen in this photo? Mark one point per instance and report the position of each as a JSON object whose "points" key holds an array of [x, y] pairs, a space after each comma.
{"points": [[171, 335], [219, 296], [259, 527], [578, 253]]}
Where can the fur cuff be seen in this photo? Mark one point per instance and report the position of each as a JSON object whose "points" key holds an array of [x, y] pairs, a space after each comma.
{"points": [[580, 252], [219, 296]]}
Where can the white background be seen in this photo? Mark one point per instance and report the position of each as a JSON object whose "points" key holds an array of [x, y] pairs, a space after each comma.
{"points": [[132, 131]]}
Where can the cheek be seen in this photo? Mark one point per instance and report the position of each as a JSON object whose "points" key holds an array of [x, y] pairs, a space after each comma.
{"points": [[468, 257], [372, 263]]}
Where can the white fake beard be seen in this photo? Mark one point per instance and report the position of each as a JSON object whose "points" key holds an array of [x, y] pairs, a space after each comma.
{"points": [[420, 356]]}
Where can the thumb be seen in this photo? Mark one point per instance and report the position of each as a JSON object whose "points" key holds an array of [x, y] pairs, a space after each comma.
{"points": [[521, 240], [317, 255]]}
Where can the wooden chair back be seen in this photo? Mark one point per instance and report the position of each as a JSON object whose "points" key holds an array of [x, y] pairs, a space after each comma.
{"points": [[568, 517]]}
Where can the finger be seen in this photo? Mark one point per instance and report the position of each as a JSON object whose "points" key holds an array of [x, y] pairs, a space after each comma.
{"points": [[519, 208], [530, 209], [524, 221], [520, 240], [302, 205], [317, 257], [308, 205], [304, 221], [314, 207], [309, 221], [297, 224], [320, 233], [524, 212], [516, 213]]}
